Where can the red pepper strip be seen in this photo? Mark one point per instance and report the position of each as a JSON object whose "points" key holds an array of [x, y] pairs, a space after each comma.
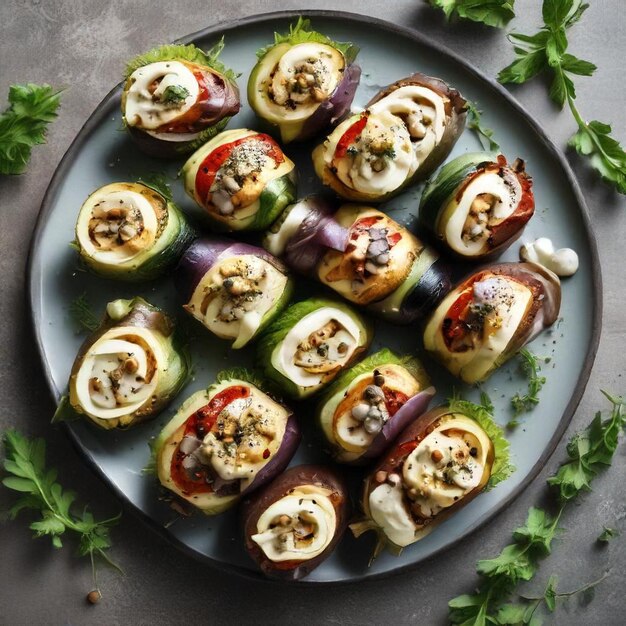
{"points": [[198, 424], [349, 137], [453, 326], [394, 400], [214, 160]]}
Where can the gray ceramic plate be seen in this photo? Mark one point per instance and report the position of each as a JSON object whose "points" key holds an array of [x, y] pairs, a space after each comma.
{"points": [[102, 153]]}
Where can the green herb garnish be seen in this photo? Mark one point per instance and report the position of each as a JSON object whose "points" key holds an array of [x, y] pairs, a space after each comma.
{"points": [[173, 94], [496, 13], [25, 464], [531, 368], [607, 534], [82, 314], [546, 52], [532, 542], [484, 134], [24, 124]]}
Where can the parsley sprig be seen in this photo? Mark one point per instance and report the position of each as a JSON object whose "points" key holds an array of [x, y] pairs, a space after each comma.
{"points": [[82, 314], [23, 125], [484, 134], [546, 52], [531, 367], [496, 13], [589, 451], [27, 474]]}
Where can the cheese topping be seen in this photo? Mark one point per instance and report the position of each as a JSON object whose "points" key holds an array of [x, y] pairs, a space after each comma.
{"points": [[119, 373], [116, 224], [487, 201], [246, 435], [299, 526], [276, 242], [232, 298], [159, 93], [318, 346], [388, 509], [563, 262]]}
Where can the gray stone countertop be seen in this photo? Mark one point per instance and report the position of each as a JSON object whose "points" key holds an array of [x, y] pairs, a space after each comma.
{"points": [[86, 42]]}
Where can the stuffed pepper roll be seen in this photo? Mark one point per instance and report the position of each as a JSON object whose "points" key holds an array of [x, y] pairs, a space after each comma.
{"points": [[242, 179], [491, 315], [443, 460], [305, 348], [224, 442], [131, 231], [477, 205], [407, 130], [130, 368], [233, 289], [177, 97], [367, 406], [304, 82], [295, 523]]}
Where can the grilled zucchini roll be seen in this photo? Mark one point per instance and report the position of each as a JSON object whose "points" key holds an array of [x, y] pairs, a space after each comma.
{"points": [[177, 97], [295, 523], [491, 315], [233, 289], [242, 179], [131, 231], [441, 462], [477, 205], [130, 368], [367, 406], [407, 130], [304, 82], [310, 343], [224, 442]]}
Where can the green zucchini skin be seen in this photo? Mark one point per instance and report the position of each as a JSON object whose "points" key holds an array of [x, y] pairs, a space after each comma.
{"points": [[173, 375], [271, 340]]}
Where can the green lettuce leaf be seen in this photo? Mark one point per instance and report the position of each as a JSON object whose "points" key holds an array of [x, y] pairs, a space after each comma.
{"points": [[502, 467], [302, 33]]}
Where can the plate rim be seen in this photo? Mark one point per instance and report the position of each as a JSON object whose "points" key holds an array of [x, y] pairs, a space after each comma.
{"points": [[33, 280]]}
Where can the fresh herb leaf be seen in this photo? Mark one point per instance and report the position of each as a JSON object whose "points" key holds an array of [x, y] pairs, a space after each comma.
{"points": [[590, 451], [173, 94], [82, 314], [484, 134], [607, 534], [24, 124], [546, 51], [482, 413], [302, 33], [496, 13], [25, 464], [173, 52], [531, 368], [157, 181]]}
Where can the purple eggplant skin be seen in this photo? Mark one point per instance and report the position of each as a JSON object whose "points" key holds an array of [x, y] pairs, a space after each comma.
{"points": [[254, 506], [202, 255], [434, 284], [456, 114], [335, 107]]}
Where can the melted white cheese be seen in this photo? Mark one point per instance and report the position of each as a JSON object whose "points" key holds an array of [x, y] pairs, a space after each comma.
{"points": [[349, 334], [276, 243], [145, 109], [109, 198], [563, 262], [269, 287], [94, 388], [308, 511], [388, 510], [488, 182]]}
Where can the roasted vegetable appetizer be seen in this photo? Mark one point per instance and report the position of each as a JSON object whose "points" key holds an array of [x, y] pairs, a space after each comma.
{"points": [[491, 315], [177, 97], [407, 130], [295, 523], [233, 289], [477, 205], [310, 343], [224, 442], [367, 406], [304, 82], [363, 255], [242, 179], [130, 368], [131, 231], [443, 460]]}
